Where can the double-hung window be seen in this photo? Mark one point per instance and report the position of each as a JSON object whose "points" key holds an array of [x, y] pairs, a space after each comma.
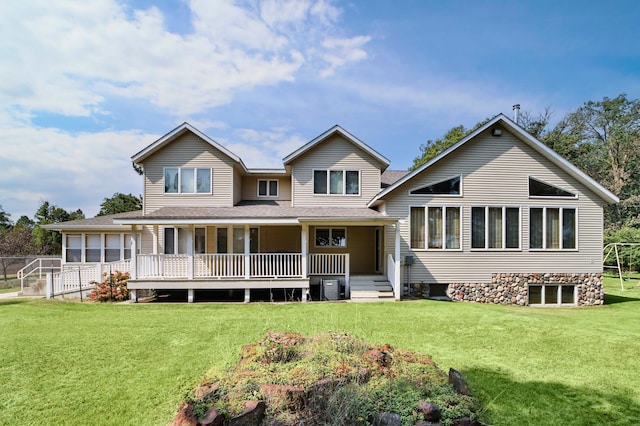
{"points": [[552, 228], [435, 227], [336, 182], [495, 228], [267, 188], [187, 180]]}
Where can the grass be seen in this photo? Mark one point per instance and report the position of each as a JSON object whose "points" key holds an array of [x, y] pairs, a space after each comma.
{"points": [[9, 289], [117, 364]]}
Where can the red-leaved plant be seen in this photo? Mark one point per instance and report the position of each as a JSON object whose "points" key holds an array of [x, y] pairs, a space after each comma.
{"points": [[112, 287]]}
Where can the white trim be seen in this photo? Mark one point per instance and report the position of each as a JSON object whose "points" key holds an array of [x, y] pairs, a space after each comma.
{"points": [[348, 136], [330, 229], [344, 182], [177, 132], [444, 208], [574, 195], [543, 294], [268, 194], [504, 247], [547, 152], [544, 229], [179, 182], [461, 194]]}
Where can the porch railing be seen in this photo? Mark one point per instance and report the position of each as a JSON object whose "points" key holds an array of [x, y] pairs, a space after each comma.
{"points": [[260, 265], [75, 279]]}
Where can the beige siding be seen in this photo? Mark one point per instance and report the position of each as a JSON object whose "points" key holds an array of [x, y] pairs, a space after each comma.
{"points": [[188, 151], [280, 239], [360, 246], [338, 154], [250, 187], [237, 186], [495, 172]]}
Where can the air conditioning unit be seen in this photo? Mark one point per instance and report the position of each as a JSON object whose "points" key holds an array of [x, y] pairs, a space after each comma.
{"points": [[331, 289]]}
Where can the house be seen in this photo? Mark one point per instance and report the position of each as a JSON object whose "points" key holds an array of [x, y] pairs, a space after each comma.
{"points": [[497, 218]]}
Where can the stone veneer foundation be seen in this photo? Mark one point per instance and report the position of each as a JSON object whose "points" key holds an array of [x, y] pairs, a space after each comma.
{"points": [[512, 288]]}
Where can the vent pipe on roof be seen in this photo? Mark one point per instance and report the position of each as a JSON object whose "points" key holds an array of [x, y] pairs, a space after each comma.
{"points": [[516, 112]]}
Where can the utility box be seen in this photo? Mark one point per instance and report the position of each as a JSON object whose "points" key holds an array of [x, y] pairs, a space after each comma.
{"points": [[408, 260], [331, 289]]}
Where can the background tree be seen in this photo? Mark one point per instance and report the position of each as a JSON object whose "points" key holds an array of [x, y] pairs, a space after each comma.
{"points": [[535, 124], [603, 139], [5, 220], [120, 203], [14, 242], [435, 147], [50, 242]]}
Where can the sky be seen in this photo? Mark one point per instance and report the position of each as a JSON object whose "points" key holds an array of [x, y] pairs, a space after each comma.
{"points": [[84, 85]]}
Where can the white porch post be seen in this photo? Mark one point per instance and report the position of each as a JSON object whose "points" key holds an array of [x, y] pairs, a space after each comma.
{"points": [[134, 252], [304, 248], [230, 239], [396, 284], [190, 295], [247, 295], [64, 250], [190, 232], [50, 285], [347, 277], [154, 234], [133, 293], [247, 249]]}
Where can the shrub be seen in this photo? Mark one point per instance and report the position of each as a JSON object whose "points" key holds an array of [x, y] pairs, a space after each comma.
{"points": [[112, 287]]}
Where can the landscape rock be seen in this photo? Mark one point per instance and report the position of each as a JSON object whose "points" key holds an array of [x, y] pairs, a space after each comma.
{"points": [[458, 382], [212, 418], [385, 419], [430, 411], [185, 416], [292, 397], [208, 392], [251, 416], [465, 421]]}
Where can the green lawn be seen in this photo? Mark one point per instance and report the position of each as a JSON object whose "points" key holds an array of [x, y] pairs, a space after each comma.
{"points": [[71, 363]]}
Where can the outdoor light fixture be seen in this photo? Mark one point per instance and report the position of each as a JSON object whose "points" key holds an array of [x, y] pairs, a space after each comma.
{"points": [[497, 132]]}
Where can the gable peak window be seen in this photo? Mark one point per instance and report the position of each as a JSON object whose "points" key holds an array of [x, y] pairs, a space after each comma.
{"points": [[267, 187], [538, 188], [449, 186], [187, 180], [336, 182]]}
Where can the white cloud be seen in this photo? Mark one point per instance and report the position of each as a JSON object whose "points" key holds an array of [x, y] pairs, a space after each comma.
{"points": [[264, 148], [67, 57]]}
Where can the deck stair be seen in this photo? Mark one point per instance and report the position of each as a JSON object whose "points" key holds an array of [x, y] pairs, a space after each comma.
{"points": [[370, 288]]}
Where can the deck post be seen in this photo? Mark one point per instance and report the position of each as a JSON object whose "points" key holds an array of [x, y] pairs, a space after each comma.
{"points": [[133, 274], [133, 295], [190, 295], [247, 249], [154, 235], [303, 245], [305, 294], [397, 275], [247, 295], [50, 285], [190, 252]]}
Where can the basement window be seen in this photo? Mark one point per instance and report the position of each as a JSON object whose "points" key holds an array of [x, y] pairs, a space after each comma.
{"points": [[552, 294]]}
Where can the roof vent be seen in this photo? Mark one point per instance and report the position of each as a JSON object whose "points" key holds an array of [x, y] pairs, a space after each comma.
{"points": [[516, 112]]}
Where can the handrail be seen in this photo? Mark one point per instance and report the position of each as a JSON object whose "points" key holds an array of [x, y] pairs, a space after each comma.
{"points": [[22, 275]]}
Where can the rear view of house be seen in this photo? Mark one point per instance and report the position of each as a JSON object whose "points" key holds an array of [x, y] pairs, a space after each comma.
{"points": [[497, 218]]}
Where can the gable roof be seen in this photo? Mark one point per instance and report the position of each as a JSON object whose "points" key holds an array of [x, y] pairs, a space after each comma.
{"points": [[175, 134], [346, 135], [525, 137]]}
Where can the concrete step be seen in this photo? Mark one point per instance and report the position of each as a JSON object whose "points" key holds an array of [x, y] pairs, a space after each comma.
{"points": [[380, 294]]}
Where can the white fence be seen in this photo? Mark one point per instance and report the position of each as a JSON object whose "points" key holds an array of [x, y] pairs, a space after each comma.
{"points": [[79, 279]]}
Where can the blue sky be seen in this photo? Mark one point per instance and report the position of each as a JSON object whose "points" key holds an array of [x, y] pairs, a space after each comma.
{"points": [[85, 85]]}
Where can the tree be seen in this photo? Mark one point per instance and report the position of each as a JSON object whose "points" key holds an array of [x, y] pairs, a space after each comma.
{"points": [[5, 221], [535, 124], [14, 242], [603, 139], [120, 203], [50, 242], [435, 147]]}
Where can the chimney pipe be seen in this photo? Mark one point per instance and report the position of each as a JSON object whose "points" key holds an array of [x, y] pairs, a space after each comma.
{"points": [[516, 112]]}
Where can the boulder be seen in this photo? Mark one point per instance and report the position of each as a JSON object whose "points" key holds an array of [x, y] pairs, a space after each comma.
{"points": [[251, 416], [385, 419], [212, 418], [430, 411], [208, 392], [292, 397], [459, 384], [185, 416]]}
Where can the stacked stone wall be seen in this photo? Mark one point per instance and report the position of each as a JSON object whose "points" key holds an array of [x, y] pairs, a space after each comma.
{"points": [[512, 288]]}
